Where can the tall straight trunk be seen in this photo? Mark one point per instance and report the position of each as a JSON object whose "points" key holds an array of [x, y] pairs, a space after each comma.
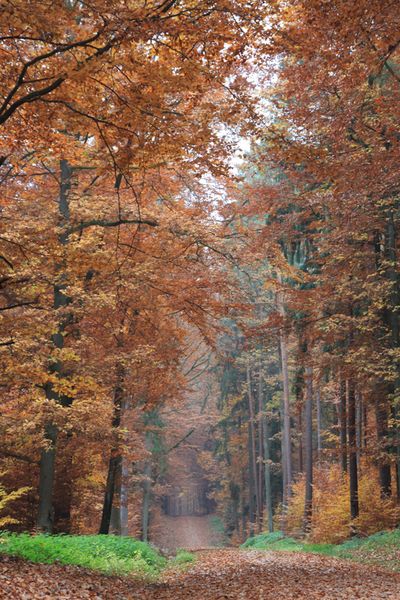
{"points": [[358, 426], [45, 513], [242, 506], [343, 424], [260, 422], [122, 480], [267, 474], [124, 496], [392, 317], [286, 419], [286, 440], [299, 411], [319, 423], [381, 415], [146, 501], [251, 486], [353, 471], [309, 449], [252, 432]]}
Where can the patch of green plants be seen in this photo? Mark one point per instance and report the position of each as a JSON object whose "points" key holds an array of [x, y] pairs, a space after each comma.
{"points": [[273, 541], [183, 557], [382, 549], [106, 553]]}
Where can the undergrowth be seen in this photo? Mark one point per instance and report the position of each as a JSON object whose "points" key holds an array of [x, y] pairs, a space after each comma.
{"points": [[382, 548], [106, 553]]}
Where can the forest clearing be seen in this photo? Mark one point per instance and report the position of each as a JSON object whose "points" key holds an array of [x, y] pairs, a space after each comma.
{"points": [[199, 299]]}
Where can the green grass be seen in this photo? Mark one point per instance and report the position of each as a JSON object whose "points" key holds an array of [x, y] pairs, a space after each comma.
{"points": [[183, 557], [381, 549], [106, 553]]}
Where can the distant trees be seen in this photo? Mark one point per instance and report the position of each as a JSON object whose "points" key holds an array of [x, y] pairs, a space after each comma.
{"points": [[332, 135]]}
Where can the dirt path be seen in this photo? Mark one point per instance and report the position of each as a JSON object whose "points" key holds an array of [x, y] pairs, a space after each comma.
{"points": [[218, 574], [191, 533]]}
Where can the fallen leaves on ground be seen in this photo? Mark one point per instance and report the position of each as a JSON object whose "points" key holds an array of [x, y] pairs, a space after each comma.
{"points": [[217, 575]]}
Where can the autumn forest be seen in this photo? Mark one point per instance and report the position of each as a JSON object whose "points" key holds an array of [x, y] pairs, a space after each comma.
{"points": [[200, 293]]}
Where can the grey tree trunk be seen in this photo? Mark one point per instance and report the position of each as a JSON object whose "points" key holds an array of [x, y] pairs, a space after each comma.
{"points": [[308, 450], [252, 432], [319, 423], [267, 475], [124, 497], [286, 443], [343, 424]]}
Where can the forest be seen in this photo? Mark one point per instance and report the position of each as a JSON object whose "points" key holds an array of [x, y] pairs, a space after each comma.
{"points": [[200, 298]]}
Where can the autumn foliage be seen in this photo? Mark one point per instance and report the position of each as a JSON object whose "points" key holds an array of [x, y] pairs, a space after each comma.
{"points": [[132, 246]]}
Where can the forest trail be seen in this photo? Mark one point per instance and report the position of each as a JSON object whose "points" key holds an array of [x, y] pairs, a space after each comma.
{"points": [[189, 532], [218, 574]]}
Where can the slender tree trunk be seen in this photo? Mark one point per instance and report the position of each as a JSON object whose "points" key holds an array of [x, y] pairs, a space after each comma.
{"points": [[392, 315], [45, 514], [148, 472], [267, 475], [253, 445], [319, 423], [309, 450], [124, 496], [251, 486], [358, 427], [260, 422], [381, 415], [286, 442], [343, 424], [353, 471], [115, 461]]}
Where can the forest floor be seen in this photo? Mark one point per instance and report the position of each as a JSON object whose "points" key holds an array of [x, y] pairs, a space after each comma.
{"points": [[217, 574]]}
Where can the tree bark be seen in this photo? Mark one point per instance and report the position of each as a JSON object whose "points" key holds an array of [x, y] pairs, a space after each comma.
{"points": [[309, 450], [343, 424], [252, 433], [267, 475], [45, 513], [353, 471], [286, 441], [115, 461]]}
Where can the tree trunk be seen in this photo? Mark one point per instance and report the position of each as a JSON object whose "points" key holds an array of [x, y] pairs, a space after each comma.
{"points": [[146, 501], [252, 433], [115, 461], [267, 475], [286, 443], [124, 496], [112, 475], [353, 472], [251, 486], [381, 415], [309, 450], [343, 424], [319, 423], [260, 444], [45, 514]]}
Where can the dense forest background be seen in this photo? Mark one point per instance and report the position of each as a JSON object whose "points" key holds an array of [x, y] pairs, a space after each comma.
{"points": [[199, 272]]}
